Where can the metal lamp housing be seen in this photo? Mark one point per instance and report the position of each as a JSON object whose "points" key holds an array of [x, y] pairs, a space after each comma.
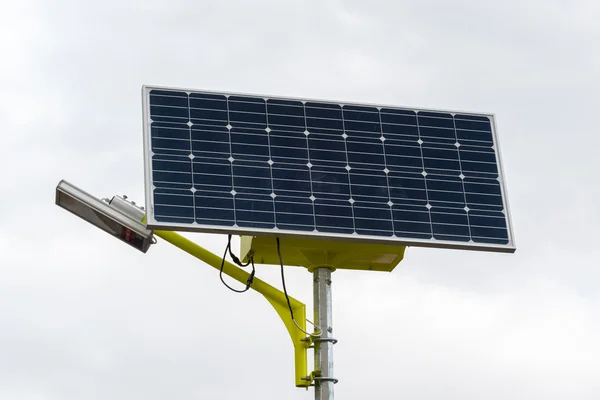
{"points": [[120, 222]]}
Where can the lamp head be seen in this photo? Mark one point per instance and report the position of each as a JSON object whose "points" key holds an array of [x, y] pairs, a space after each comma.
{"points": [[121, 222]]}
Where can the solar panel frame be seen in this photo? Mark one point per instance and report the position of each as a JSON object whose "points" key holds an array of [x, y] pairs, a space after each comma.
{"points": [[152, 223]]}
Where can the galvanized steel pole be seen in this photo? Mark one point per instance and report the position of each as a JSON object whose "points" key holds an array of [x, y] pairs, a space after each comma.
{"points": [[324, 343]]}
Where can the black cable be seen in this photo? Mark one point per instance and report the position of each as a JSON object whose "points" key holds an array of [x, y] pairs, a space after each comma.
{"points": [[251, 261], [283, 280], [234, 257]]}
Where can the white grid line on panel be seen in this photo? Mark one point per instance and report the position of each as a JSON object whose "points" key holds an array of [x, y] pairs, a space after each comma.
{"points": [[462, 181], [324, 118], [312, 194], [338, 217], [228, 127], [362, 111], [191, 159], [386, 171], [348, 171], [333, 130], [270, 165], [340, 183], [424, 177]]}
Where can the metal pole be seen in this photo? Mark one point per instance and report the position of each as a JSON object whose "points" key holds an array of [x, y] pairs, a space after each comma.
{"points": [[323, 344]]}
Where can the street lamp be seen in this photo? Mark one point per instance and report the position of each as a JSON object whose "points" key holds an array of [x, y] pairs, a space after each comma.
{"points": [[117, 217], [122, 219]]}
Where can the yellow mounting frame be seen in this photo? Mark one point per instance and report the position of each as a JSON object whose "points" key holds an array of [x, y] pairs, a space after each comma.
{"points": [[311, 253], [274, 296]]}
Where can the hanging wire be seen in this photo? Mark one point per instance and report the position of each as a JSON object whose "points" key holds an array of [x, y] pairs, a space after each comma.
{"points": [[238, 262], [318, 330]]}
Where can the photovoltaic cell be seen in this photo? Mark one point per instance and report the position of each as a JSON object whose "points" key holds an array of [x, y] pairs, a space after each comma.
{"points": [[221, 162]]}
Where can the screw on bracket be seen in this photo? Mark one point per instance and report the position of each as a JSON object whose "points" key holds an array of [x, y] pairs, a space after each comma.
{"points": [[316, 375]]}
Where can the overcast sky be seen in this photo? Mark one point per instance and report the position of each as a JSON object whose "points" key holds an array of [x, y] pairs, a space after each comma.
{"points": [[83, 316]]}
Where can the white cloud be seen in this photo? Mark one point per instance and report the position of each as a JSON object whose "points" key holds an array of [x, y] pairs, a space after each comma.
{"points": [[84, 316]]}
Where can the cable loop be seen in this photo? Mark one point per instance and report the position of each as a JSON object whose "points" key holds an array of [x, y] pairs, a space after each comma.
{"points": [[237, 261]]}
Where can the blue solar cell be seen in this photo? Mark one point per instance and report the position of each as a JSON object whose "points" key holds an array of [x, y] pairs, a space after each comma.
{"points": [[220, 162]]}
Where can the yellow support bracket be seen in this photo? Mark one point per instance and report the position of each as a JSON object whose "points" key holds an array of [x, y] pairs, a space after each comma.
{"points": [[273, 295]]}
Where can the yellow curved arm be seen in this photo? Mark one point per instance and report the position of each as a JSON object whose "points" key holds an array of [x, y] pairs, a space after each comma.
{"points": [[275, 296]]}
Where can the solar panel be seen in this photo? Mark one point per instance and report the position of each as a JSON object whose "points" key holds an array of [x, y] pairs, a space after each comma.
{"points": [[263, 165]]}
